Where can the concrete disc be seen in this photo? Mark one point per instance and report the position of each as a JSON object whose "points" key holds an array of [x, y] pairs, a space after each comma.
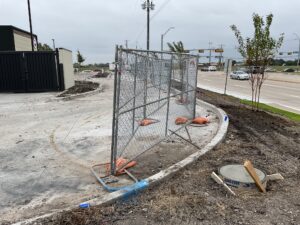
{"points": [[238, 173]]}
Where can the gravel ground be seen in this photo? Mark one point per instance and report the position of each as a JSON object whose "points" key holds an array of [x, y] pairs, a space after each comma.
{"points": [[192, 197]]}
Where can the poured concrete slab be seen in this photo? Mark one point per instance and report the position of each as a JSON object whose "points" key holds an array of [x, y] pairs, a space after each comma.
{"points": [[47, 149]]}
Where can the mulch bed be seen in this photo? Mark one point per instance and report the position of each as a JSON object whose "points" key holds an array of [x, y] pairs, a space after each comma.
{"points": [[192, 197]]}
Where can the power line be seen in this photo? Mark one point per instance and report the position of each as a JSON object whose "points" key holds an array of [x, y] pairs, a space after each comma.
{"points": [[154, 15], [161, 8]]}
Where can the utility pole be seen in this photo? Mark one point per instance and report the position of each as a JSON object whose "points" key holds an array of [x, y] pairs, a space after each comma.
{"points": [[221, 55], [148, 6], [298, 50], [126, 43], [53, 40], [209, 44], [30, 24]]}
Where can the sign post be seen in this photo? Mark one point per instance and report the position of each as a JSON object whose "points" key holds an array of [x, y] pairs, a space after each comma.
{"points": [[227, 68]]}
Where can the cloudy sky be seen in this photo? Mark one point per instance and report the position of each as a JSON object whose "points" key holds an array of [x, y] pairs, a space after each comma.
{"points": [[95, 26]]}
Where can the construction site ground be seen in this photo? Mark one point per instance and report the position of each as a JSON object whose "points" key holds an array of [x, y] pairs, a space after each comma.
{"points": [[48, 146], [192, 197]]}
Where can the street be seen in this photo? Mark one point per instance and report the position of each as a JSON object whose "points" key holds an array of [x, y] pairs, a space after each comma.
{"points": [[279, 90]]}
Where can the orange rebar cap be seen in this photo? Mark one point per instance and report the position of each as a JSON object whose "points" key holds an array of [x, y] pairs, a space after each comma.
{"points": [[181, 120], [200, 120]]}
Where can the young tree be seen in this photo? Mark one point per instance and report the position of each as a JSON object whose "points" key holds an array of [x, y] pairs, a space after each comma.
{"points": [[80, 58], [258, 52], [44, 47]]}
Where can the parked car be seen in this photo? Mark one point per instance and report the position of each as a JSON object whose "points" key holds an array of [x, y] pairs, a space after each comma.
{"points": [[86, 71], [254, 70], [239, 75], [290, 70], [210, 68]]}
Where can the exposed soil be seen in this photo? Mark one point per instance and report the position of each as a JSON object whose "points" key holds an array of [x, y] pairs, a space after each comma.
{"points": [[101, 74], [80, 87], [192, 197]]}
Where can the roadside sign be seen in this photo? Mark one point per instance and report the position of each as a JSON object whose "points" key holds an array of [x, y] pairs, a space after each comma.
{"points": [[227, 70], [219, 50]]}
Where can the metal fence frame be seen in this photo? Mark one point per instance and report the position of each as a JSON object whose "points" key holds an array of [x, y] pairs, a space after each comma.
{"points": [[186, 89]]}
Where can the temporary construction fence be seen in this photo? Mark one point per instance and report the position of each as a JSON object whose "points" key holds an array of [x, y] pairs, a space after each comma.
{"points": [[151, 90]]}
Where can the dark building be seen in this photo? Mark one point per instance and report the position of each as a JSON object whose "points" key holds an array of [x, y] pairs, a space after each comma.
{"points": [[15, 39]]}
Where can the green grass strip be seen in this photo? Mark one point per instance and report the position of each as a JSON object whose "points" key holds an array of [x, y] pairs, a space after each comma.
{"points": [[268, 108]]}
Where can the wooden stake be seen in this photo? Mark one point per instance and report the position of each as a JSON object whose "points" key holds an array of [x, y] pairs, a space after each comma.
{"points": [[216, 178], [250, 169]]}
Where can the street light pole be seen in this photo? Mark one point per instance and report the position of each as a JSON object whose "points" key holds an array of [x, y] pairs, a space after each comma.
{"points": [[148, 5], [30, 24], [298, 50], [162, 38]]}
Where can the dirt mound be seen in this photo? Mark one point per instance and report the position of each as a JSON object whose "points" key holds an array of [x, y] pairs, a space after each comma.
{"points": [[191, 197], [100, 74], [80, 87]]}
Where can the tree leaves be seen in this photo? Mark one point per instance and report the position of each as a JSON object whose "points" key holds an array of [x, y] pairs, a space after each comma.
{"points": [[176, 47], [258, 51]]}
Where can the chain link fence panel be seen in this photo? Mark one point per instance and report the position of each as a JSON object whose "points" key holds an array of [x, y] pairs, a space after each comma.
{"points": [[150, 86]]}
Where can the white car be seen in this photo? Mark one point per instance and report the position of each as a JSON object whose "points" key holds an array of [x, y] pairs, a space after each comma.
{"points": [[212, 68], [239, 75]]}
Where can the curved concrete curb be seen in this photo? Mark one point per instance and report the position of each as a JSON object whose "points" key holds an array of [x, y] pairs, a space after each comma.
{"points": [[160, 176]]}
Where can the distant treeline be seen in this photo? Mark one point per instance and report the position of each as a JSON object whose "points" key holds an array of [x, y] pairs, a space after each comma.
{"points": [[282, 62], [274, 62], [92, 66]]}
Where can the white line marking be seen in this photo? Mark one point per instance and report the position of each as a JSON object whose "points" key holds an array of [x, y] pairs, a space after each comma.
{"points": [[294, 108], [239, 86], [271, 85], [294, 96]]}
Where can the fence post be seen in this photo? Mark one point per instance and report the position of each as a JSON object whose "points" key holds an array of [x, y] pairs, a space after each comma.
{"points": [[160, 74], [145, 87], [134, 92], [196, 82], [169, 91], [114, 124]]}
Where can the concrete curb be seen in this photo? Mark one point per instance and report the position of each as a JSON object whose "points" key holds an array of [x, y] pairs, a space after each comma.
{"points": [[162, 175]]}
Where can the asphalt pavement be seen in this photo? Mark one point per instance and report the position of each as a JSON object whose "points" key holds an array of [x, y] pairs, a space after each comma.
{"points": [[279, 90]]}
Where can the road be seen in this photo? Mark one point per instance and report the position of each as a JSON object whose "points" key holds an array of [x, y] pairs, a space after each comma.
{"points": [[281, 91]]}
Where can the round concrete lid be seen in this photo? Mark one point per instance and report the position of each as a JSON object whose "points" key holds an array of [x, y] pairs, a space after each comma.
{"points": [[239, 173]]}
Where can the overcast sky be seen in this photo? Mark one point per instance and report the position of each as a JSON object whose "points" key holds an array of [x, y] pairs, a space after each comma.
{"points": [[96, 26]]}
